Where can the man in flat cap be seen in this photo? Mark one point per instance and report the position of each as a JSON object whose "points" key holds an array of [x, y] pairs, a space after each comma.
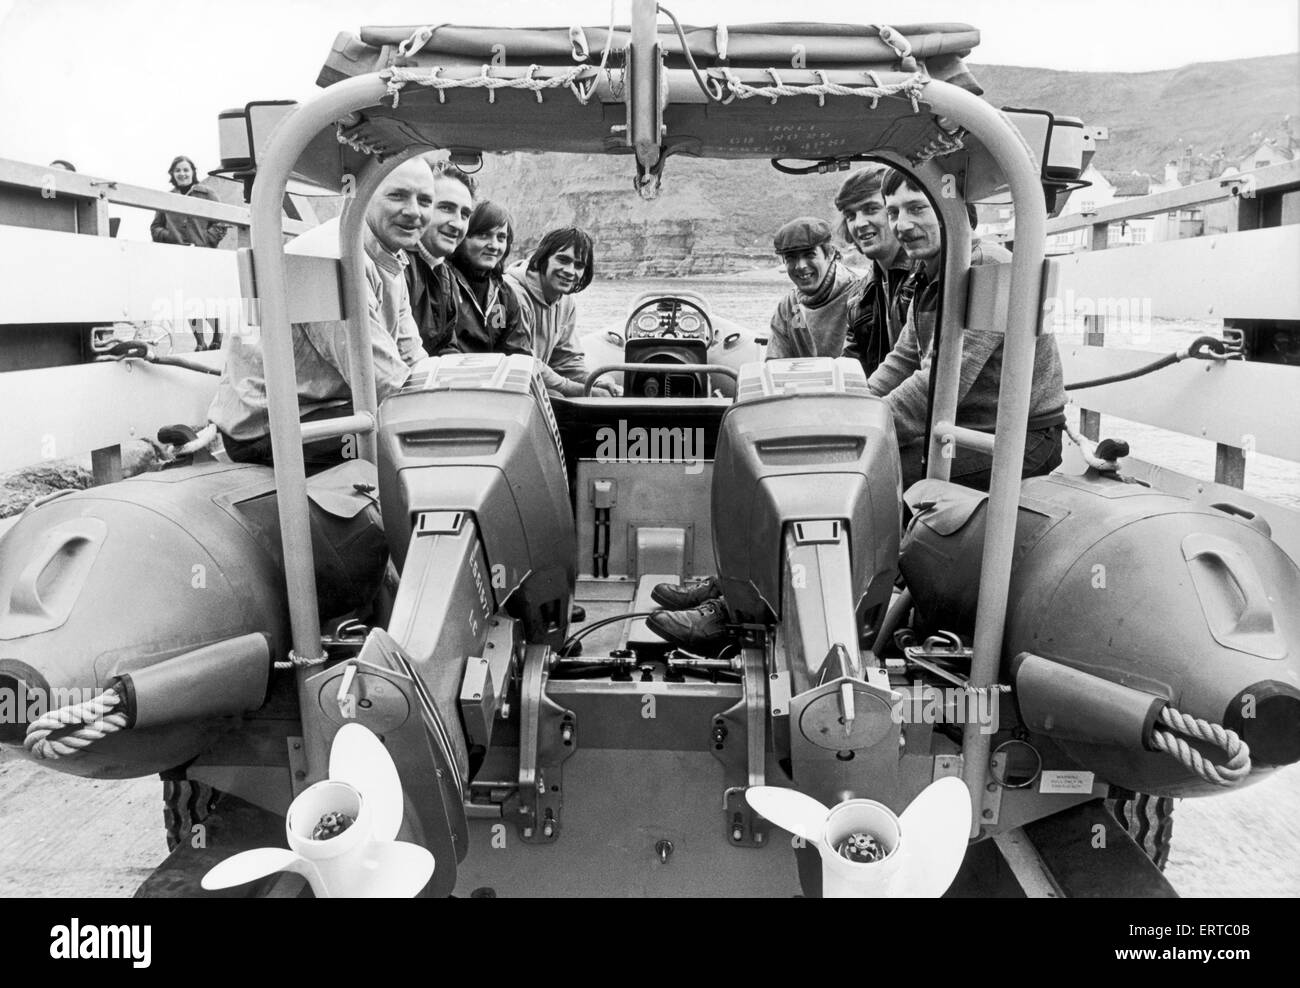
{"points": [[812, 319]]}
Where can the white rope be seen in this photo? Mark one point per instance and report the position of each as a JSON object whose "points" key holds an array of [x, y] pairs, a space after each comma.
{"points": [[342, 135], [399, 78], [97, 719], [721, 34], [909, 87], [295, 661], [1238, 765], [938, 145]]}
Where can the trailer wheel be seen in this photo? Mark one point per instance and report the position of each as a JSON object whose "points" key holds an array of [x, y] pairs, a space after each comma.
{"points": [[186, 805], [1149, 820]]}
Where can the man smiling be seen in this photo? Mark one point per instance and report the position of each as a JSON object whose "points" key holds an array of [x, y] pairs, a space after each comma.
{"points": [[903, 377], [562, 265], [434, 295], [395, 220], [873, 325], [811, 320]]}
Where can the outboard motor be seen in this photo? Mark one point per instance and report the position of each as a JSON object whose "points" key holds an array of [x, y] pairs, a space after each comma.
{"points": [[168, 589], [806, 507], [806, 457], [473, 444], [1124, 600]]}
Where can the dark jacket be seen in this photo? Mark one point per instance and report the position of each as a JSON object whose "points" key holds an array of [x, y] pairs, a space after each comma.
{"points": [[435, 301], [874, 322], [495, 325], [176, 228]]}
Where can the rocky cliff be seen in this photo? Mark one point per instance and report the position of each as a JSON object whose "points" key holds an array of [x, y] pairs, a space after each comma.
{"points": [[716, 216], [712, 216]]}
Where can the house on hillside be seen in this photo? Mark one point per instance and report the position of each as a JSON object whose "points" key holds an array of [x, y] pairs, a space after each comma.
{"points": [[1267, 152], [1189, 168], [1106, 189]]}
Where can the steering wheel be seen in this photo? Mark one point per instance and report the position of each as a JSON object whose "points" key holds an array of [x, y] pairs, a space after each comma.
{"points": [[705, 322]]}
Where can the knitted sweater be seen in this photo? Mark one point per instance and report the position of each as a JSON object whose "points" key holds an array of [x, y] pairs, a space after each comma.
{"points": [[801, 331], [903, 378]]}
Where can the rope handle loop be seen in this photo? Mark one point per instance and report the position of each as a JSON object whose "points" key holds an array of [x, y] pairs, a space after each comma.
{"points": [[1177, 723]]}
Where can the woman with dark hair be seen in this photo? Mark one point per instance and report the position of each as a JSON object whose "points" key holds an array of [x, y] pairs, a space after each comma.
{"points": [[562, 265], [177, 228], [490, 317]]}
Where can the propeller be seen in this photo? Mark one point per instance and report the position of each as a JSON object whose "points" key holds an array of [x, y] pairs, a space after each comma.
{"points": [[866, 850], [342, 831]]}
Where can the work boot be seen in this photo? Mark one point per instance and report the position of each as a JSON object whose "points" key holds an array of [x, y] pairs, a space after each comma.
{"points": [[699, 628], [684, 596]]}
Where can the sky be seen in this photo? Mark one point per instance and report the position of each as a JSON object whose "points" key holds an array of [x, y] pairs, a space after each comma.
{"points": [[120, 88]]}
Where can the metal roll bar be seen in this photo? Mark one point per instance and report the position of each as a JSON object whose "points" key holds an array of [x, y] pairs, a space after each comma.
{"points": [[361, 424], [659, 369], [290, 140], [1005, 144], [985, 123]]}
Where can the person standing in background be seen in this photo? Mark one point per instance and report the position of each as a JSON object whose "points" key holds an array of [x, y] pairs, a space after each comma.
{"points": [[177, 228]]}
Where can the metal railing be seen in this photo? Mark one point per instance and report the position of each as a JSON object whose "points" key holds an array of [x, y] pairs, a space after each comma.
{"points": [[1190, 277], [53, 199]]}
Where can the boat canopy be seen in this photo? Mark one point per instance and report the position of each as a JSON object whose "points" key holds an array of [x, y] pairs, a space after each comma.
{"points": [[750, 91]]}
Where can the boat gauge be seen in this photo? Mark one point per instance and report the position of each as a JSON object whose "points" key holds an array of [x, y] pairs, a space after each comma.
{"points": [[648, 323]]}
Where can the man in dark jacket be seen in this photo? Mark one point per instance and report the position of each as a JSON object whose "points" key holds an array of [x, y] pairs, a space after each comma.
{"points": [[874, 324], [429, 278], [490, 314]]}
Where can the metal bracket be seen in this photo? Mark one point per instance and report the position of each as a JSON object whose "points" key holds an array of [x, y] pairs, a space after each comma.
{"points": [[484, 687], [739, 742], [548, 734], [990, 804], [297, 765]]}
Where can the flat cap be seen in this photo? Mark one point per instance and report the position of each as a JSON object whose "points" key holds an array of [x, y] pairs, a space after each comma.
{"points": [[801, 234]]}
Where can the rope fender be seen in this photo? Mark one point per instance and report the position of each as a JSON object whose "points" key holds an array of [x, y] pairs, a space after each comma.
{"points": [[96, 718], [1230, 774]]}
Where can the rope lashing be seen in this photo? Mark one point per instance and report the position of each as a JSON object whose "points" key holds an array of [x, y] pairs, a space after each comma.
{"points": [[573, 79], [720, 33], [910, 87], [1176, 747], [96, 718], [343, 136], [295, 661], [825, 81], [941, 144], [1203, 348]]}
